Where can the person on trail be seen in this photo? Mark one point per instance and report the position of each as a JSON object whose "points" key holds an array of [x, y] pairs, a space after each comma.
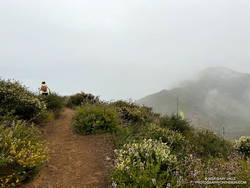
{"points": [[44, 89]]}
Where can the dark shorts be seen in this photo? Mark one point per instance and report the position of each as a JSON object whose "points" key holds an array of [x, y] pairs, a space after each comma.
{"points": [[45, 94]]}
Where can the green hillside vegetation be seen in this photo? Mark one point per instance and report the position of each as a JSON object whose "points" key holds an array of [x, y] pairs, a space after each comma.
{"points": [[54, 103], [22, 151], [91, 119], [151, 150], [80, 99], [16, 100]]}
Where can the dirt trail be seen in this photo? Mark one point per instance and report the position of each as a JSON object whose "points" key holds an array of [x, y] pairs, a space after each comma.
{"points": [[74, 161]]}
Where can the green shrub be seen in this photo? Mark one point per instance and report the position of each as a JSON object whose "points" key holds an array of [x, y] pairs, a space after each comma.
{"points": [[91, 119], [131, 113], [22, 153], [120, 136], [16, 99], [82, 98], [243, 145], [54, 103], [6, 118], [176, 124], [173, 139], [45, 117], [147, 163], [207, 144]]}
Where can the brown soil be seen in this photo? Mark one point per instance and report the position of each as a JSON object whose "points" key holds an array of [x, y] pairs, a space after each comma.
{"points": [[74, 161]]}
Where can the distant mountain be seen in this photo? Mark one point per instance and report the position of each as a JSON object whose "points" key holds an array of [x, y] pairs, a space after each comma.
{"points": [[219, 98]]}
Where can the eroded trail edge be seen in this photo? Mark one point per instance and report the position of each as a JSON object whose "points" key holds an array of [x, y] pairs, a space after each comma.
{"points": [[74, 160]]}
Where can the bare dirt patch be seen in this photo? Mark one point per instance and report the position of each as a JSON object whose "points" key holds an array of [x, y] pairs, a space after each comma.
{"points": [[74, 161]]}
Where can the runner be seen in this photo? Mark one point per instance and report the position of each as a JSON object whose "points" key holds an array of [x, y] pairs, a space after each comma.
{"points": [[44, 89]]}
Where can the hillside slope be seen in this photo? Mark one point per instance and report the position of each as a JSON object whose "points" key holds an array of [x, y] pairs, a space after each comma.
{"points": [[219, 98]]}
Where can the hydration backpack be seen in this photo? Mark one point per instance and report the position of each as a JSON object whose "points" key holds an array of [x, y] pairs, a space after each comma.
{"points": [[44, 88]]}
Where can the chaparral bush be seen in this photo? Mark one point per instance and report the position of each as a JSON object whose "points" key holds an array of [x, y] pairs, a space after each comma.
{"points": [[21, 153], [243, 145], [6, 118], [54, 103], [131, 113], [82, 98], [45, 117], [134, 119], [172, 138], [147, 163], [207, 144], [176, 124], [91, 119], [121, 135], [16, 99]]}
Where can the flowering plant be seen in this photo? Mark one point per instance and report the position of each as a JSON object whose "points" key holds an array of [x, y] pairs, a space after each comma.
{"points": [[148, 163], [194, 169], [172, 138], [243, 145], [21, 153], [17, 99]]}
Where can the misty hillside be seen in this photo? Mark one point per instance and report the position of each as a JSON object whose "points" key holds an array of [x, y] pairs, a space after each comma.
{"points": [[219, 98]]}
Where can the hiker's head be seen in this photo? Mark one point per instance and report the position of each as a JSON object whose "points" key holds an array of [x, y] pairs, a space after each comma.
{"points": [[43, 82]]}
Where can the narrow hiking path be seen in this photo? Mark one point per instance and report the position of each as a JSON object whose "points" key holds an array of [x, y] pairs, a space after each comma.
{"points": [[74, 161]]}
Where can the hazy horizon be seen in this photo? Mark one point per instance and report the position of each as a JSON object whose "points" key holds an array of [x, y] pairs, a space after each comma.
{"points": [[120, 49]]}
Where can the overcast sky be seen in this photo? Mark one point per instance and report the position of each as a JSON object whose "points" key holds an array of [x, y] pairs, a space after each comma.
{"points": [[120, 49]]}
